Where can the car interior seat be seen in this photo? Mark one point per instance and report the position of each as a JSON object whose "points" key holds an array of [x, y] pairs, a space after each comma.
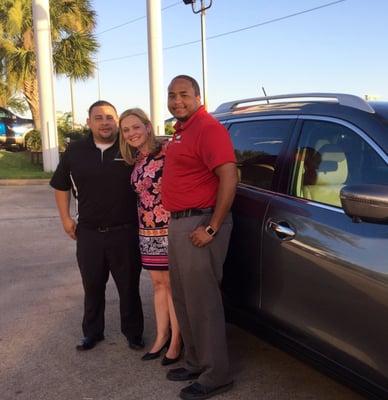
{"points": [[307, 162], [325, 182]]}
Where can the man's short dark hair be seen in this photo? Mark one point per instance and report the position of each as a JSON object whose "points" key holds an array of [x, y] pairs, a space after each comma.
{"points": [[194, 83], [100, 103]]}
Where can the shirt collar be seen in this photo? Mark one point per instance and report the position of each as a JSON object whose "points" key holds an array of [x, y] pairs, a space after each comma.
{"points": [[93, 144], [180, 126]]}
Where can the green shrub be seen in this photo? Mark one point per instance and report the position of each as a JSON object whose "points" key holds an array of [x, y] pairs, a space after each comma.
{"points": [[34, 141], [66, 133], [169, 128]]}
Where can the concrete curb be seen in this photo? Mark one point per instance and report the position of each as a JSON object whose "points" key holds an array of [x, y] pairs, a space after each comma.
{"points": [[23, 182]]}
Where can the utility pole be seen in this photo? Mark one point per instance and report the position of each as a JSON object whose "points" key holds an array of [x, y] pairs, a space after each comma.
{"points": [[98, 79], [155, 64], [72, 102], [42, 39]]}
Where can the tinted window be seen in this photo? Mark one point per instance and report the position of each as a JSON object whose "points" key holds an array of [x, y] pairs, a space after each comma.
{"points": [[330, 156], [257, 146], [4, 113]]}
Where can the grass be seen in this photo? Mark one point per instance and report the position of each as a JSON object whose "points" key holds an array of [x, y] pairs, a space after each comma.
{"points": [[17, 165]]}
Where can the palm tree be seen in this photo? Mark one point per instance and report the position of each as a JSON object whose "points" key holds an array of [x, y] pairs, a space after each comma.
{"points": [[11, 100], [73, 43], [9, 97]]}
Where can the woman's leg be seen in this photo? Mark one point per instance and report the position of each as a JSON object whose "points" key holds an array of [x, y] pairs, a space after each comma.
{"points": [[176, 339], [162, 314]]}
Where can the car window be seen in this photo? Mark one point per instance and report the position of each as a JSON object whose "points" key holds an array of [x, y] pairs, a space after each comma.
{"points": [[330, 156], [3, 130], [257, 146], [4, 113]]}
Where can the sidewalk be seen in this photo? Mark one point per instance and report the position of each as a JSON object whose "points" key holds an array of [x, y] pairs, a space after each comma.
{"points": [[23, 182]]}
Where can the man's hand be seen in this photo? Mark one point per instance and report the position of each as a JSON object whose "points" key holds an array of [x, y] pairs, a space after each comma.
{"points": [[69, 226], [62, 198], [199, 237]]}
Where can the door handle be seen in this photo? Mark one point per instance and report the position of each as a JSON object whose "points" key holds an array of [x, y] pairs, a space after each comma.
{"points": [[282, 230]]}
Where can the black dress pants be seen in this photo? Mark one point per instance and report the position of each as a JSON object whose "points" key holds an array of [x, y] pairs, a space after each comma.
{"points": [[117, 252]]}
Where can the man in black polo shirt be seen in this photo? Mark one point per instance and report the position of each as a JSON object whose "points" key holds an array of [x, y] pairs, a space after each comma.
{"points": [[106, 231]]}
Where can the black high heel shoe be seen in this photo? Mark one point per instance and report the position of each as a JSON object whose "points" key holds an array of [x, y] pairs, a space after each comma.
{"points": [[168, 361], [151, 356]]}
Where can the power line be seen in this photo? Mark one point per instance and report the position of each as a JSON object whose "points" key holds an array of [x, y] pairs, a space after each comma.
{"points": [[134, 20], [277, 19], [234, 31], [119, 26]]}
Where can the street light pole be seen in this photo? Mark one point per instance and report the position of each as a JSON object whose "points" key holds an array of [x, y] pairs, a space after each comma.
{"points": [[202, 10], [204, 54]]}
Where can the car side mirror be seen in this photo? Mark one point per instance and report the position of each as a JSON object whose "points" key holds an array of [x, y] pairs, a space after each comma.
{"points": [[364, 202]]}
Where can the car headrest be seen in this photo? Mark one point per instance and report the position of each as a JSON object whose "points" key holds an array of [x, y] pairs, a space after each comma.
{"points": [[333, 169]]}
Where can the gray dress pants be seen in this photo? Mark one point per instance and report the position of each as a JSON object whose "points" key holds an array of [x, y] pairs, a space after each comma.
{"points": [[196, 275]]}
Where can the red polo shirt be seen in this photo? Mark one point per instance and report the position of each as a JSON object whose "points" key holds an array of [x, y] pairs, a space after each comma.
{"points": [[199, 146]]}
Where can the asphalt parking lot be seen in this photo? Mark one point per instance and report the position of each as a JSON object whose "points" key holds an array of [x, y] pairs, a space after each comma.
{"points": [[40, 317]]}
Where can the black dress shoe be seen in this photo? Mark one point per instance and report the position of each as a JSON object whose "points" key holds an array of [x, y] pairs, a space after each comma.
{"points": [[87, 343], [182, 374], [151, 356], [136, 343], [196, 391]]}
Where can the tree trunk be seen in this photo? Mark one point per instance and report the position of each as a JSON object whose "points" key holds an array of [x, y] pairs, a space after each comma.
{"points": [[30, 90]]}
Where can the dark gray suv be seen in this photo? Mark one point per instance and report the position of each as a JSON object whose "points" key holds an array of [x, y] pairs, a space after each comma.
{"points": [[308, 254]]}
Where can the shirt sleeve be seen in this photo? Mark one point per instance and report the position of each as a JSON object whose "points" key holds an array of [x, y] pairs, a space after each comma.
{"points": [[216, 147], [61, 179]]}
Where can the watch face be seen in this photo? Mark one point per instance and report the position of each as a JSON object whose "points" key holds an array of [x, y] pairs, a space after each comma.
{"points": [[210, 230]]}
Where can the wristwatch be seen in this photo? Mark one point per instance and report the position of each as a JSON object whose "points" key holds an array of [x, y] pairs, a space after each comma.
{"points": [[210, 231]]}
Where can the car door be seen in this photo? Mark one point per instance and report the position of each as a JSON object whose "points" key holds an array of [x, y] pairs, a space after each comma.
{"points": [[325, 276], [5, 118], [259, 144]]}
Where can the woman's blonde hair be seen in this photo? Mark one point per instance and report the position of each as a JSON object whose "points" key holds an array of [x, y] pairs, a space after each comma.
{"points": [[128, 152]]}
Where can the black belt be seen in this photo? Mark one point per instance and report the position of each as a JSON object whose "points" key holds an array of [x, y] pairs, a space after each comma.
{"points": [[190, 212], [104, 229]]}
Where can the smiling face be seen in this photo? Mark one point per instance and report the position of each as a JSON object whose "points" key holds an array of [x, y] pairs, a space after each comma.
{"points": [[135, 133], [102, 122], [182, 100]]}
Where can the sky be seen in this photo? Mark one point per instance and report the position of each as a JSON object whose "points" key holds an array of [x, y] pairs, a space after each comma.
{"points": [[342, 47]]}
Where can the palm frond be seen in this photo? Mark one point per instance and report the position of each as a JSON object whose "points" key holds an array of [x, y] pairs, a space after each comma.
{"points": [[72, 55], [74, 45]]}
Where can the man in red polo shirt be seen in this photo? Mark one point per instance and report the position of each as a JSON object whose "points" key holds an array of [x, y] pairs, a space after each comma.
{"points": [[198, 187]]}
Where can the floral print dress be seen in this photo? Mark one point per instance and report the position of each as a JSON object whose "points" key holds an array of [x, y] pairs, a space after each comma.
{"points": [[146, 180]]}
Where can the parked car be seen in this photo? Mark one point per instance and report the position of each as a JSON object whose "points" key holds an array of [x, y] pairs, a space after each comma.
{"points": [[308, 254], [13, 129]]}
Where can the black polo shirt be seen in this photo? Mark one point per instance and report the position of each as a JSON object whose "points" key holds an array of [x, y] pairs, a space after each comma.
{"points": [[100, 181]]}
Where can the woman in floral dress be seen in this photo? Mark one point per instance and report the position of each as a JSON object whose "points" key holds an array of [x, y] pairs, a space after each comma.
{"points": [[140, 148]]}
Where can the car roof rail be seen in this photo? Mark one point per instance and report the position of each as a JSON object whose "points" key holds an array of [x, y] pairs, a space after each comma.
{"points": [[348, 100]]}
